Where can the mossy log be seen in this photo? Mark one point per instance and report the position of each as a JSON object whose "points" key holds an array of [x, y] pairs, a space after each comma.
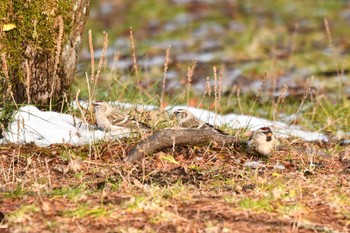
{"points": [[174, 137], [39, 56]]}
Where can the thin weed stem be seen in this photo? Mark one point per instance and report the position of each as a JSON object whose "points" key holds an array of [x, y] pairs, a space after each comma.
{"points": [[8, 81], [221, 75], [28, 77], [134, 59], [280, 101], [190, 72], [166, 63], [328, 32], [239, 100], [207, 91], [216, 90], [339, 67], [89, 91], [258, 94], [100, 63], [307, 89], [92, 56], [135, 66], [82, 112]]}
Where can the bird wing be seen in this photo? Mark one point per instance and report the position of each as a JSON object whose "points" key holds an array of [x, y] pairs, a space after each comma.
{"points": [[209, 126], [117, 117], [139, 124]]}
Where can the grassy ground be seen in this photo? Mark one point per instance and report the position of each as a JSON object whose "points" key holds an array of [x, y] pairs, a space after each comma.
{"points": [[203, 189]]}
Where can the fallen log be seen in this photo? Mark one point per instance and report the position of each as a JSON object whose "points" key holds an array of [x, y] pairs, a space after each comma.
{"points": [[171, 137]]}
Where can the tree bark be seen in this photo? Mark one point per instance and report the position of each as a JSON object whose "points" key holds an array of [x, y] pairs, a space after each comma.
{"points": [[39, 56], [173, 137]]}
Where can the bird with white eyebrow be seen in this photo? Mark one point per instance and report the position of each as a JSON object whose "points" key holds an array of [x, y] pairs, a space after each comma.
{"points": [[110, 118], [187, 120], [262, 142]]}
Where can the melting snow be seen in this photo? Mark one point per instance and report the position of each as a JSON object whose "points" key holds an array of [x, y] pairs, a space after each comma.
{"points": [[30, 125], [44, 128], [252, 123]]}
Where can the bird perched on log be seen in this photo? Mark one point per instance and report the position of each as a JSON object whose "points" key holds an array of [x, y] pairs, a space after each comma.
{"points": [[187, 120], [110, 118], [262, 142]]}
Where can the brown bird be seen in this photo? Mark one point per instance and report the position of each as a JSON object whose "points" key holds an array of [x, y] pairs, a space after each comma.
{"points": [[262, 142], [110, 118], [187, 120]]}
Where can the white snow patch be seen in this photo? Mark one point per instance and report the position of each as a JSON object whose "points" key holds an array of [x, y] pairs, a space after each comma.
{"points": [[252, 123], [45, 127]]}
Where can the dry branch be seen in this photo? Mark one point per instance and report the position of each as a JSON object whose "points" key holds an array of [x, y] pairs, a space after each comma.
{"points": [[173, 137]]}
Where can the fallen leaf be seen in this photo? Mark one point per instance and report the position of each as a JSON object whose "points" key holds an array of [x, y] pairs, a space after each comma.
{"points": [[8, 27], [169, 158]]}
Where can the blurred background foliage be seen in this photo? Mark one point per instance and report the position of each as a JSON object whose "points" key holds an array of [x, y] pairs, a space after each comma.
{"points": [[281, 42]]}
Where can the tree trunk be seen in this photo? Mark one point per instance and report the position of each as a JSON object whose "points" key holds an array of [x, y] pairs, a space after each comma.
{"points": [[39, 56]]}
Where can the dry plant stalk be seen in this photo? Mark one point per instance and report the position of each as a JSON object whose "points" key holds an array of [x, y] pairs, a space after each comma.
{"points": [[207, 90], [166, 63], [59, 23], [100, 64], [258, 94], [215, 89], [221, 75], [82, 112], [102, 58], [133, 50], [207, 87], [340, 68], [65, 100], [307, 89], [92, 56], [116, 56], [280, 101], [239, 100], [8, 81], [28, 82], [328, 32], [135, 66], [89, 91], [48, 172], [190, 72], [6, 73]]}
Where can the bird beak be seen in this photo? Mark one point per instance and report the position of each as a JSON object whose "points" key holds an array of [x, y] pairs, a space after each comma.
{"points": [[269, 134]]}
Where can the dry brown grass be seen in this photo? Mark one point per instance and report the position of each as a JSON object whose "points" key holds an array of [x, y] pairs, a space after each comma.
{"points": [[201, 188]]}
